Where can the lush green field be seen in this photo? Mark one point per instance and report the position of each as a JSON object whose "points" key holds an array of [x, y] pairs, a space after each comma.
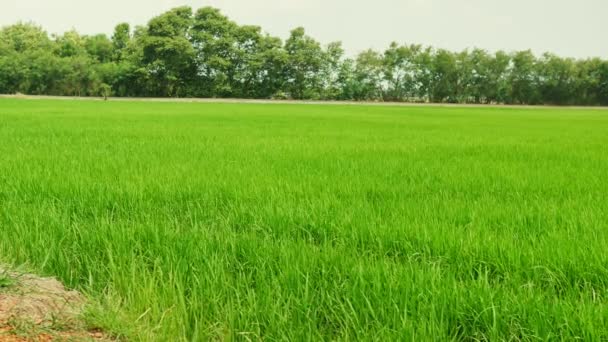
{"points": [[294, 222]]}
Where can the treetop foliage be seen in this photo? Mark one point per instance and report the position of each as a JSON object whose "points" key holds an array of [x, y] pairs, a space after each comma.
{"points": [[182, 53]]}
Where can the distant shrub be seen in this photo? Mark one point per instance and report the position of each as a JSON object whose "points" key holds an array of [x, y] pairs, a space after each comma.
{"points": [[281, 95], [105, 91]]}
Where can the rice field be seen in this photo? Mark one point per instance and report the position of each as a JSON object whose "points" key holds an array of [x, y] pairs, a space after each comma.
{"points": [[228, 221]]}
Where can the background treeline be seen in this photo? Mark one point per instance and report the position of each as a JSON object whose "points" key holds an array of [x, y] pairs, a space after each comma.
{"points": [[204, 54]]}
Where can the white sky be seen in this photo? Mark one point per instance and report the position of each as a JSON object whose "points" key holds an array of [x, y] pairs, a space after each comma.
{"points": [[569, 28]]}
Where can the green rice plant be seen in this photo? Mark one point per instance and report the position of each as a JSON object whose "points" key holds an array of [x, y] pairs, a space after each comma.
{"points": [[197, 221]]}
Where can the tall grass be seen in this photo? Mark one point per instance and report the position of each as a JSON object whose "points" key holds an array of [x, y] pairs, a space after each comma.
{"points": [[302, 222]]}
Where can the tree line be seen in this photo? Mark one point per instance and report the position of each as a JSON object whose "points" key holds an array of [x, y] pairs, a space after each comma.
{"points": [[182, 53]]}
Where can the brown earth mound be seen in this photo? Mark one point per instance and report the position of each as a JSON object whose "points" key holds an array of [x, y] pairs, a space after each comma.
{"points": [[40, 309]]}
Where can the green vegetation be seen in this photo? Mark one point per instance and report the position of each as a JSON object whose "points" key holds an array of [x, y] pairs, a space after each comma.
{"points": [[5, 280], [191, 221], [186, 53]]}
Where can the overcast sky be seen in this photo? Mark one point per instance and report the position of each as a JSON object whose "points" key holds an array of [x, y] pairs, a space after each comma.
{"points": [[569, 28]]}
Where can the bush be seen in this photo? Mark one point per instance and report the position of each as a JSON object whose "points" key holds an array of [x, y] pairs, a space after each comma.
{"points": [[105, 91]]}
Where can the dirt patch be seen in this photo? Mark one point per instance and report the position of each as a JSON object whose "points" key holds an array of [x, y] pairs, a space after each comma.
{"points": [[33, 308], [313, 102]]}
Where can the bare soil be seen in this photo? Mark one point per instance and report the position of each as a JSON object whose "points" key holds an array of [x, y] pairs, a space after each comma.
{"points": [[272, 101], [33, 308]]}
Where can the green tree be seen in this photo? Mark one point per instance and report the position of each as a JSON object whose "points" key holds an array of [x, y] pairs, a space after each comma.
{"points": [[558, 79], [407, 72], [215, 39], [482, 76], [120, 41], [23, 38], [330, 73], [179, 53], [368, 76], [13, 72], [99, 47], [105, 91], [524, 78], [496, 87], [167, 54], [602, 87], [269, 65], [305, 62], [444, 75], [70, 44]]}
